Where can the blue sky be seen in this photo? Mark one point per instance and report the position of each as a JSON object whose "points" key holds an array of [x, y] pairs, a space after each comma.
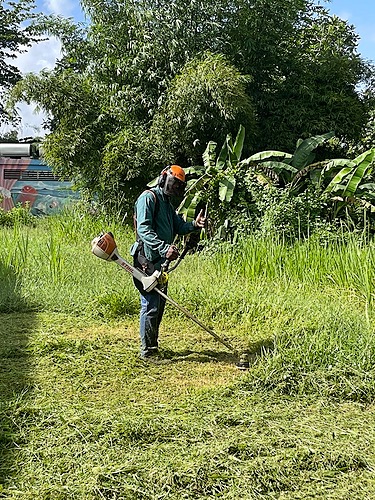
{"points": [[360, 13]]}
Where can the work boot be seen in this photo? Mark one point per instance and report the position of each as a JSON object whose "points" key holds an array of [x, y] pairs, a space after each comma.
{"points": [[150, 352]]}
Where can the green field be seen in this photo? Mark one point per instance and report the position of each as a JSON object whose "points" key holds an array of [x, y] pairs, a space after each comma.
{"points": [[82, 417]]}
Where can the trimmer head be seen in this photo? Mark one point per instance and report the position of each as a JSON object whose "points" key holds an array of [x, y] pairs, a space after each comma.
{"points": [[243, 363]]}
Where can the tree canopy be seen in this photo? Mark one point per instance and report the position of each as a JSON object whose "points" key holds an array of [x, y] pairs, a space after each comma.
{"points": [[15, 37], [151, 82]]}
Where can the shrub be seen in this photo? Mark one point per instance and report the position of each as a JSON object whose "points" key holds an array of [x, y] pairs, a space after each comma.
{"points": [[17, 215]]}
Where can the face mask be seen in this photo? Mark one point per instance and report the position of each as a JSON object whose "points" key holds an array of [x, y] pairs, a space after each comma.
{"points": [[174, 187]]}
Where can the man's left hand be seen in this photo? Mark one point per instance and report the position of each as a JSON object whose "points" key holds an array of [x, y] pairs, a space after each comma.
{"points": [[200, 221]]}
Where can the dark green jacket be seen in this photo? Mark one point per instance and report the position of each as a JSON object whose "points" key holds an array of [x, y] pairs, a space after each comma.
{"points": [[157, 225]]}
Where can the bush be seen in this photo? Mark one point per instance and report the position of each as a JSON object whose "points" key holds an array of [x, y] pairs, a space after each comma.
{"points": [[17, 215], [289, 215]]}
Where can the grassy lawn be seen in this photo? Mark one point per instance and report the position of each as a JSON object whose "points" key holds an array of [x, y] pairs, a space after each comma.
{"points": [[83, 418]]}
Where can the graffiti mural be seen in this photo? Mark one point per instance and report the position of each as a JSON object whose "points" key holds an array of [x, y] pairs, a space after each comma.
{"points": [[28, 182]]}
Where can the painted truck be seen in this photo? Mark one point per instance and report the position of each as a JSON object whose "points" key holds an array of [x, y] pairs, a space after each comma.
{"points": [[25, 180]]}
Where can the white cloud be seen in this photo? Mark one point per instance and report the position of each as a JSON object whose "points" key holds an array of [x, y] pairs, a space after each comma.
{"points": [[39, 56], [63, 8]]}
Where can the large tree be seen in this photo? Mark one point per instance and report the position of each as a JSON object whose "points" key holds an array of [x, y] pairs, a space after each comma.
{"points": [[151, 81], [15, 37]]}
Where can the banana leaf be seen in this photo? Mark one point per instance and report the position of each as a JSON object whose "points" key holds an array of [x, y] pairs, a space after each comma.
{"points": [[277, 166], [369, 187], [195, 184], [235, 150], [222, 158], [302, 155], [193, 191], [264, 155], [238, 143], [337, 188], [363, 161], [308, 169], [226, 188], [344, 172], [209, 157], [196, 169], [231, 154], [188, 209], [338, 163]]}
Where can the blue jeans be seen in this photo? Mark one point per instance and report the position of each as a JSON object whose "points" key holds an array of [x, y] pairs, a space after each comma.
{"points": [[152, 310]]}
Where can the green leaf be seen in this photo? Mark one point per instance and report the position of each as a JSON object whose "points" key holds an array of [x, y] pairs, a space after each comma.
{"points": [[368, 156], [278, 166], [337, 163], [309, 169], [364, 161], [338, 179], [196, 169], [264, 155], [370, 186], [226, 188], [194, 189], [209, 157], [223, 156], [302, 155], [238, 143]]}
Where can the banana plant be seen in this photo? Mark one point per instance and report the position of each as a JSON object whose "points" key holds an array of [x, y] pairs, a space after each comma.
{"points": [[288, 168], [214, 167], [350, 182]]}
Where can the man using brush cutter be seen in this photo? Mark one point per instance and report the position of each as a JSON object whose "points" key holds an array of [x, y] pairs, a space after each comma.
{"points": [[157, 224]]}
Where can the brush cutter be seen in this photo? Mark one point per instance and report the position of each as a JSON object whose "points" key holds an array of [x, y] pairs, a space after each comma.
{"points": [[104, 247], [191, 241]]}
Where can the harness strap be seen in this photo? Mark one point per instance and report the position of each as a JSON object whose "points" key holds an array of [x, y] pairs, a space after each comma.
{"points": [[139, 257]]}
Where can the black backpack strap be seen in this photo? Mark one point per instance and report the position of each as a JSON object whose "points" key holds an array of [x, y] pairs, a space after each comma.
{"points": [[139, 257]]}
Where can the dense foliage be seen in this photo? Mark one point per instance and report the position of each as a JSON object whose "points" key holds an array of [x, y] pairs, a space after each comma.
{"points": [[15, 37], [16, 216], [276, 192], [151, 83]]}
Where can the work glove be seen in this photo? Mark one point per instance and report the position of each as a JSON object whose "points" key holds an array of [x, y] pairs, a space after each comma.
{"points": [[172, 253]]}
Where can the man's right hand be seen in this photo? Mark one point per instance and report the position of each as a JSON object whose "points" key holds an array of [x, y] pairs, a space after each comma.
{"points": [[172, 253]]}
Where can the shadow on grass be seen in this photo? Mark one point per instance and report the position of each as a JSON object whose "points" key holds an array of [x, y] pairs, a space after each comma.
{"points": [[252, 353], [15, 377], [207, 356]]}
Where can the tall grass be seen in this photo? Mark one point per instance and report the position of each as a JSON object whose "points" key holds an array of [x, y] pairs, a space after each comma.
{"points": [[303, 308], [83, 418]]}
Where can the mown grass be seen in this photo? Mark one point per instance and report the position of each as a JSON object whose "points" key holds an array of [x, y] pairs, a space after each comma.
{"points": [[83, 418]]}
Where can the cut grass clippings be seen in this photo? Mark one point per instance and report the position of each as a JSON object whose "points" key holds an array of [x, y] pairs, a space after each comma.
{"points": [[84, 418]]}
